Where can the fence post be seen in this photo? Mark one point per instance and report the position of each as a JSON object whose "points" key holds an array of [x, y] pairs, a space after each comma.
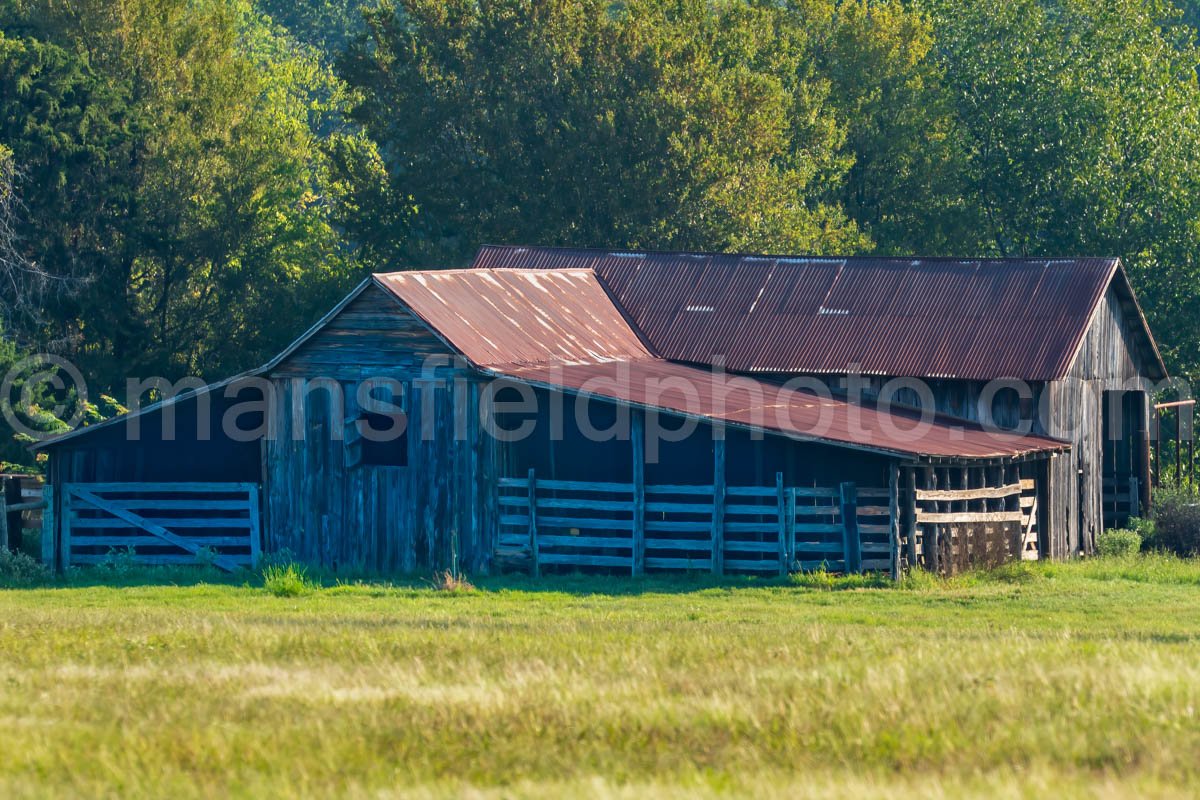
{"points": [[4, 514], [933, 533], [255, 527], [64, 538], [16, 531], [533, 542], [910, 518], [894, 517], [638, 442], [853, 545], [718, 516], [48, 526], [781, 504]]}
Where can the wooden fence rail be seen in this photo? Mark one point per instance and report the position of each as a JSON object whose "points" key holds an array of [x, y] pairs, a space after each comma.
{"points": [[161, 523], [702, 528]]}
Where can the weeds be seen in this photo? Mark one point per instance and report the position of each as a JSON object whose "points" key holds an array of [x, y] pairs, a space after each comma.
{"points": [[1119, 543], [18, 570], [288, 580], [448, 581]]}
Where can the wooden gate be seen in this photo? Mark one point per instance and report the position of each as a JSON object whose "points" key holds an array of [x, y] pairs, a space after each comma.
{"points": [[161, 523]]}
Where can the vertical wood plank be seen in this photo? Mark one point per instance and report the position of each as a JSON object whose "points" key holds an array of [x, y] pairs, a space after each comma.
{"points": [[910, 517], [16, 531], [894, 516], [48, 526], [933, 532], [850, 538], [781, 505], [65, 539], [255, 527], [791, 527], [533, 542], [4, 514], [718, 517], [637, 436]]}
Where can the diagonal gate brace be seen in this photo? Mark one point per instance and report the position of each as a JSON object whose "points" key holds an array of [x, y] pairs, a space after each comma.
{"points": [[224, 562]]}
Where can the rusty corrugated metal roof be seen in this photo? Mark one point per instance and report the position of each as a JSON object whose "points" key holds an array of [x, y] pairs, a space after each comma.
{"points": [[739, 400], [529, 317], [559, 328], [979, 319]]}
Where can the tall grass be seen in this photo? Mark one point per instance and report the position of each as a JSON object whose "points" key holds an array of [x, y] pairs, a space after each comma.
{"points": [[1077, 679]]}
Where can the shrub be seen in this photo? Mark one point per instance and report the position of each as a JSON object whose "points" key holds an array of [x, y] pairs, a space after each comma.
{"points": [[287, 580], [18, 569], [1177, 521], [1118, 543]]}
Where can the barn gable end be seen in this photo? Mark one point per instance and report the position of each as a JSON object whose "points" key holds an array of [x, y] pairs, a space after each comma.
{"points": [[372, 333]]}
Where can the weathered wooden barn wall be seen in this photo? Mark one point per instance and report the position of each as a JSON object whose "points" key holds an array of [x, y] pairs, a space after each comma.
{"points": [[368, 517], [606, 456], [158, 453], [1110, 359]]}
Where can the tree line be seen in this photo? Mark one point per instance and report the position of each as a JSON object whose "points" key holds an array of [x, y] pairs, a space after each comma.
{"points": [[186, 184]]}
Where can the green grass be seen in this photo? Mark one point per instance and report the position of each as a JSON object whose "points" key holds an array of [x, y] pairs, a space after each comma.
{"points": [[1074, 679]]}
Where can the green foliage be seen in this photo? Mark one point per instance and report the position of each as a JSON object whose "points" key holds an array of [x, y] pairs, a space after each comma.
{"points": [[287, 580], [1079, 121], [1142, 526], [328, 25], [1118, 543], [178, 168], [185, 184], [1176, 521], [121, 562], [21, 570], [663, 124]]}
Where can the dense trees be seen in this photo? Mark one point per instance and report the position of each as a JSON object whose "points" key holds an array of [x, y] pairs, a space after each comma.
{"points": [[170, 175], [185, 183], [661, 123]]}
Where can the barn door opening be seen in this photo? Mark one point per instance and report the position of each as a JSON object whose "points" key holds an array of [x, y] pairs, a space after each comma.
{"points": [[1125, 456]]}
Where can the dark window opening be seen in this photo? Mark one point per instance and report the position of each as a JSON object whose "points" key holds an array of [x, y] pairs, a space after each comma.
{"points": [[384, 441]]}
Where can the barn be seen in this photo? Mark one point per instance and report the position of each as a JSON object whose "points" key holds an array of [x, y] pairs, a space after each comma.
{"points": [[553, 409]]}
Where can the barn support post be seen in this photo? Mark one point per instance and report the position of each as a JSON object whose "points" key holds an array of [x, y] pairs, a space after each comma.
{"points": [[638, 443], [4, 514], [64, 539], [910, 516], [718, 514], [533, 542], [894, 516], [933, 532], [781, 508], [254, 507], [851, 541], [16, 506], [48, 529]]}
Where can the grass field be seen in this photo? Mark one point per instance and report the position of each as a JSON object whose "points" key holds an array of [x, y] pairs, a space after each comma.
{"points": [[1077, 680]]}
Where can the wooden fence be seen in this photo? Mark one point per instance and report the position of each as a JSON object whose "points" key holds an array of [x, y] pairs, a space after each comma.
{"points": [[161, 523], [959, 528], [740, 529]]}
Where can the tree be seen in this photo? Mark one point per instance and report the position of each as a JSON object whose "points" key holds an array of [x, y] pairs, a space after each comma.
{"points": [[669, 123], [176, 179], [1080, 121], [328, 25], [905, 185]]}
